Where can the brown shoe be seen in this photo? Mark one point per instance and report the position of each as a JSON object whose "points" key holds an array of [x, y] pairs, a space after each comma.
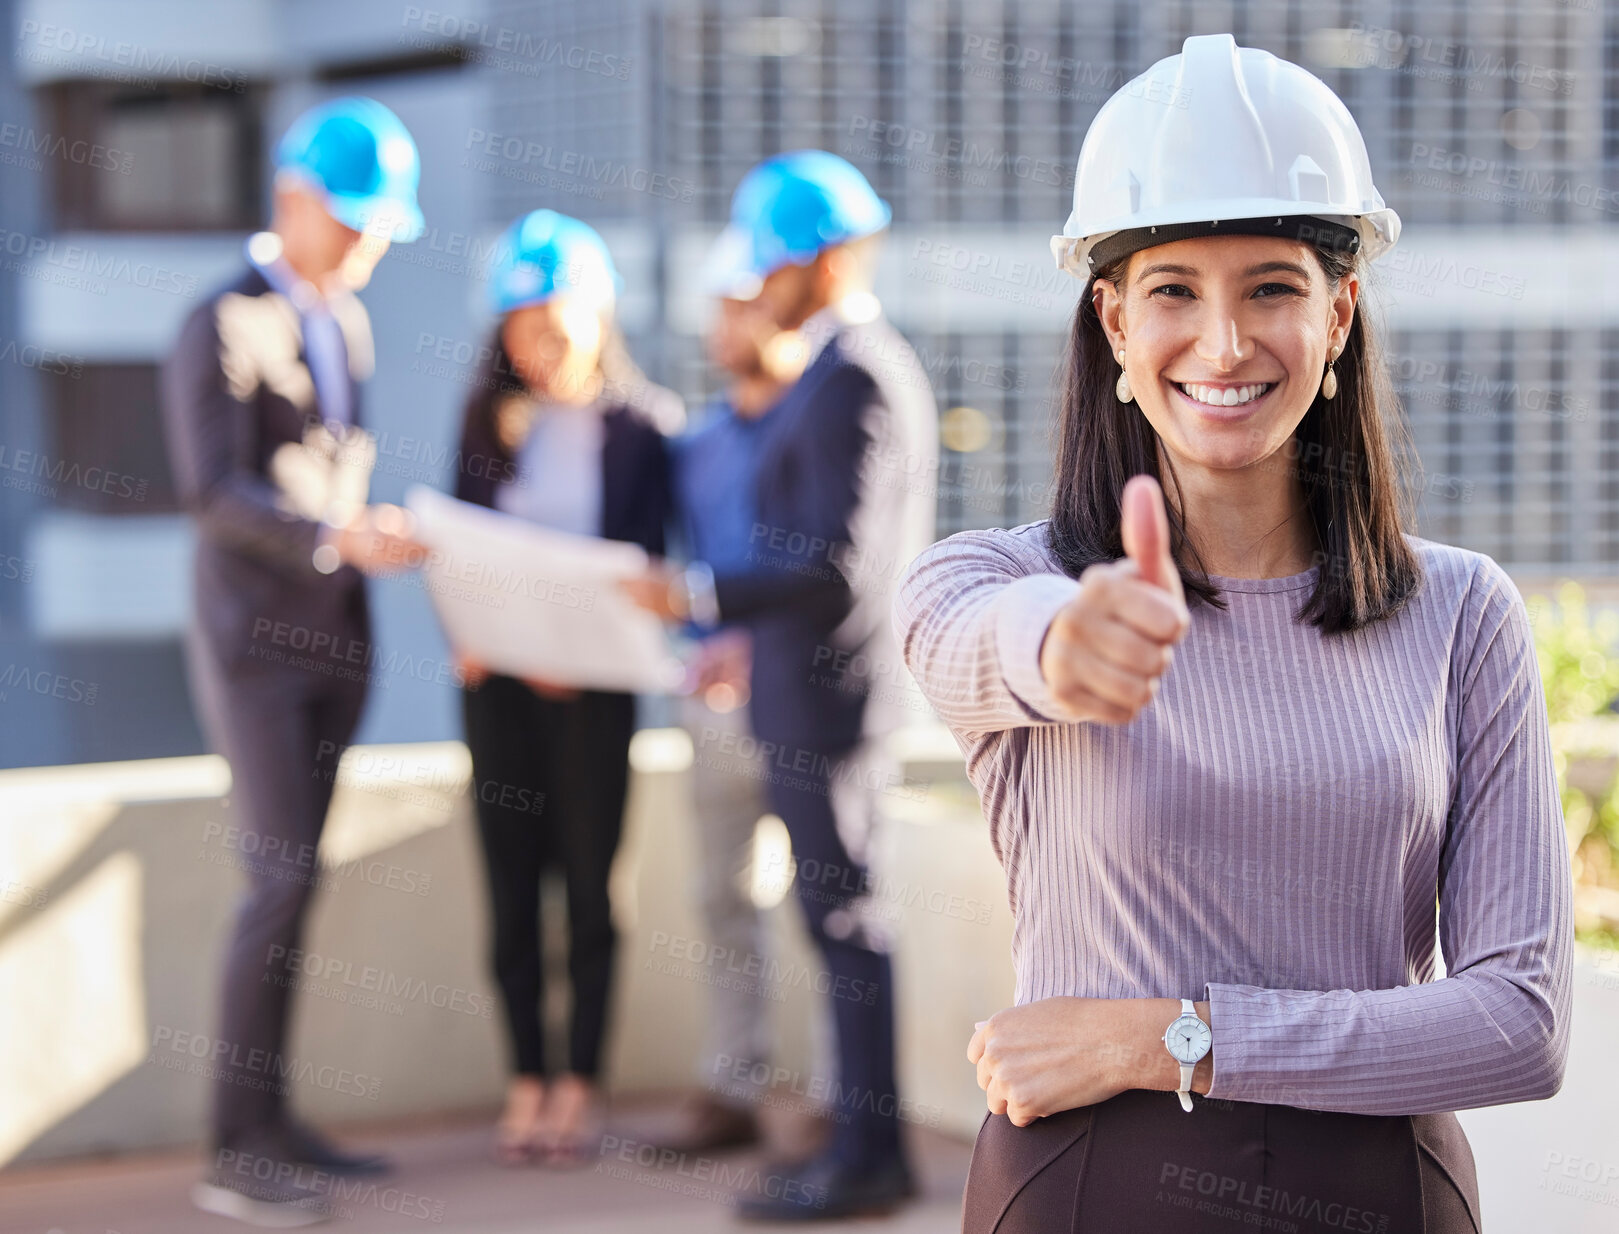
{"points": [[707, 1125]]}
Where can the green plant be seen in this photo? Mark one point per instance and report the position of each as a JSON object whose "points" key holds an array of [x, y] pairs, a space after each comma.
{"points": [[1579, 672], [1577, 665]]}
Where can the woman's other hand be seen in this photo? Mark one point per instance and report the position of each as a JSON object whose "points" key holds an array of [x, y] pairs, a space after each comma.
{"points": [[1047, 1056], [1062, 1053]]}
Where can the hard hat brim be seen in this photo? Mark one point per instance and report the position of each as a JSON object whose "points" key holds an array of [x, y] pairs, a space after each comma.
{"points": [[402, 219], [510, 304], [605, 301], [763, 270], [1379, 230]]}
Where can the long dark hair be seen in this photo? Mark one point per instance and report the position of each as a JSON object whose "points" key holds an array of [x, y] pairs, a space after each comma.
{"points": [[1349, 452]]}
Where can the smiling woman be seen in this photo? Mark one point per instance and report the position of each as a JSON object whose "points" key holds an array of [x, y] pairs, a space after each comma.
{"points": [[1211, 322], [1350, 705]]}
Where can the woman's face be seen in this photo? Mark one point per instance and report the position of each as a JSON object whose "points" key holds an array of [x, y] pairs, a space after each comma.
{"points": [[1225, 341], [556, 347]]}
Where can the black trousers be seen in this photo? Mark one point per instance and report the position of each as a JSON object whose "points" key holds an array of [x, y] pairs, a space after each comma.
{"points": [[549, 781], [282, 733], [1139, 1164], [815, 792]]}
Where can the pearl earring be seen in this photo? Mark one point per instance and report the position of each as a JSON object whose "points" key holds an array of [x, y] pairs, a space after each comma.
{"points": [[1329, 380], [1121, 388]]}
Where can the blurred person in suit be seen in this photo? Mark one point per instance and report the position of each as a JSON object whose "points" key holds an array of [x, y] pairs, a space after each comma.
{"points": [[844, 498], [564, 431], [261, 405], [714, 467]]}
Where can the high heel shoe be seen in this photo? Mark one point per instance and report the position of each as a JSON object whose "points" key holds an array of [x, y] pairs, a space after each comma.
{"points": [[515, 1133], [571, 1131]]}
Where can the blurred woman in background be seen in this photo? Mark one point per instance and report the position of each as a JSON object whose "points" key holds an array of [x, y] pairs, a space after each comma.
{"points": [[563, 430]]}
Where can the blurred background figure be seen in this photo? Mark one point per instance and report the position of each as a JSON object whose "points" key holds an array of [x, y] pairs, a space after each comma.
{"points": [[835, 516], [714, 469], [561, 430], [261, 399]]}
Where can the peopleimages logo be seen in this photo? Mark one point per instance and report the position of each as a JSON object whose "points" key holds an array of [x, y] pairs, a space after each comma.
{"points": [[95, 56], [1240, 1202], [1543, 184], [215, 1058], [85, 153], [77, 259], [502, 152], [513, 50], [21, 466], [929, 144], [46, 684], [381, 981]]}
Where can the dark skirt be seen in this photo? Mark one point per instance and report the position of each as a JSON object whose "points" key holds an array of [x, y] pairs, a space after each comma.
{"points": [[1139, 1164]]}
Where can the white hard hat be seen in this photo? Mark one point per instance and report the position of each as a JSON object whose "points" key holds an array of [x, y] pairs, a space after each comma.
{"points": [[1219, 140]]}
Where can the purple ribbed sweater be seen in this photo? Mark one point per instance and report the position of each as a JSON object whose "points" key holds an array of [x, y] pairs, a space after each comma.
{"points": [[1271, 834]]}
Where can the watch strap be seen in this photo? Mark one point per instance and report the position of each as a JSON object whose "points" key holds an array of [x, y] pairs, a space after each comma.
{"points": [[1184, 1092]]}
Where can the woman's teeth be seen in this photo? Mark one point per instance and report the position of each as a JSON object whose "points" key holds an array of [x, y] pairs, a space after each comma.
{"points": [[1228, 396]]}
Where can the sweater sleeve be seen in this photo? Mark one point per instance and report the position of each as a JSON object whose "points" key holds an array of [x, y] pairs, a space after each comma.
{"points": [[971, 614], [1495, 1029]]}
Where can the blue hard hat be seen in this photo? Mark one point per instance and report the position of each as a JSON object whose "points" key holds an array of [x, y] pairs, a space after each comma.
{"points": [[360, 157], [544, 254], [797, 204]]}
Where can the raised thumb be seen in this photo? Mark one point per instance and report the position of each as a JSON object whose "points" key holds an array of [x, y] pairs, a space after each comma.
{"points": [[1144, 527]]}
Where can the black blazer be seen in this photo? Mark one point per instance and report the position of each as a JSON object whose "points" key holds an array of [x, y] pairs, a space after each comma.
{"points": [[845, 494], [241, 417], [635, 470]]}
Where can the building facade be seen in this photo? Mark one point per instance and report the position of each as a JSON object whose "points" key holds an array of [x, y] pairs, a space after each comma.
{"points": [[134, 148]]}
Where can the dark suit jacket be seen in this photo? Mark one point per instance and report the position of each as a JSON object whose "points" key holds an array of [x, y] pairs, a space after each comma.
{"points": [[635, 472], [241, 416], [845, 497]]}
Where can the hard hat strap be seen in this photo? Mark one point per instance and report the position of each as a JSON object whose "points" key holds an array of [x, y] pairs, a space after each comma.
{"points": [[1323, 233]]}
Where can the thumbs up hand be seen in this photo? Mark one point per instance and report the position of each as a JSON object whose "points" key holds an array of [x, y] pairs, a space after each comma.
{"points": [[1107, 648], [1145, 529]]}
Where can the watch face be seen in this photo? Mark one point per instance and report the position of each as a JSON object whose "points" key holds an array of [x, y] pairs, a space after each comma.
{"points": [[1188, 1039]]}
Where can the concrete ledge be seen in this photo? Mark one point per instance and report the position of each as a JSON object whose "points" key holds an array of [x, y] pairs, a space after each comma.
{"points": [[117, 883]]}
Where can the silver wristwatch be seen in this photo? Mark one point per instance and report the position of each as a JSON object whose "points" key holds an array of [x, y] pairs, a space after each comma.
{"points": [[1187, 1039]]}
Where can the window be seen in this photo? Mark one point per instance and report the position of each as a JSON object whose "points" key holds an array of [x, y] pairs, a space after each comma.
{"points": [[176, 158], [106, 451]]}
